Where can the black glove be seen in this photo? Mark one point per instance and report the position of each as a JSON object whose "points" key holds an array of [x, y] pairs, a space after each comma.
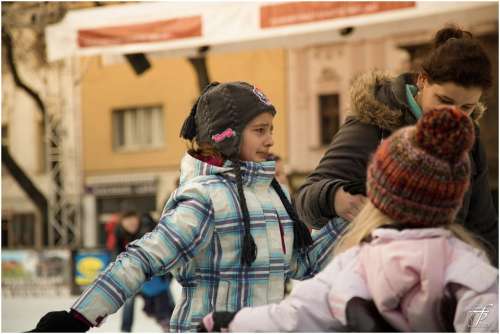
{"points": [[355, 187], [216, 322], [60, 322], [362, 316]]}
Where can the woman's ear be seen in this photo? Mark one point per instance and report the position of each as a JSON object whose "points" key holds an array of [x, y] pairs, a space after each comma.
{"points": [[422, 80]]}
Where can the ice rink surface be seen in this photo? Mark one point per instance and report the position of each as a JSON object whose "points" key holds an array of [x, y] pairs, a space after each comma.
{"points": [[20, 314]]}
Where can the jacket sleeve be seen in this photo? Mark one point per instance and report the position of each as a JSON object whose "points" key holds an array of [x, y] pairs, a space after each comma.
{"points": [[482, 218], [345, 160], [320, 253], [184, 230], [306, 309]]}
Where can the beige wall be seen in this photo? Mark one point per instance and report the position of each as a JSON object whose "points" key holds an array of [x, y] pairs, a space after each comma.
{"points": [[329, 69], [172, 83]]}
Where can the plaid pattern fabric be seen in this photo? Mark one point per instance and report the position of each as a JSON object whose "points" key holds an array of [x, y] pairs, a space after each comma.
{"points": [[199, 239]]}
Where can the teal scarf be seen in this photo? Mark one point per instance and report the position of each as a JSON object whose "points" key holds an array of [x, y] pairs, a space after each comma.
{"points": [[411, 92]]}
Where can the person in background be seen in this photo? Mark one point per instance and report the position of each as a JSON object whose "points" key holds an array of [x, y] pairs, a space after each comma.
{"points": [[111, 223], [158, 300], [127, 230], [404, 256], [457, 72]]}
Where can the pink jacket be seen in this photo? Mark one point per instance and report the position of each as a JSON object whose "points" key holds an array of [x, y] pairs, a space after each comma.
{"points": [[406, 273]]}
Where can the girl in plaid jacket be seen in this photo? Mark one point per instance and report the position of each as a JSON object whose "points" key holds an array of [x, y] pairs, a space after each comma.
{"points": [[229, 233]]}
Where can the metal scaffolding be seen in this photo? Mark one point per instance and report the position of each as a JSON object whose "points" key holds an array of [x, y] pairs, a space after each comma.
{"points": [[64, 228]]}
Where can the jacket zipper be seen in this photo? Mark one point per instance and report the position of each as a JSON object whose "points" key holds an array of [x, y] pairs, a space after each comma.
{"points": [[282, 233]]}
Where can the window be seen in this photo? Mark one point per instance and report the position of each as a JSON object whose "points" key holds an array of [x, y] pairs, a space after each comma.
{"points": [[19, 230], [329, 106], [138, 128]]}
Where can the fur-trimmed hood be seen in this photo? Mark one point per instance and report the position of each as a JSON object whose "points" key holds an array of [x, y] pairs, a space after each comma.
{"points": [[371, 103]]}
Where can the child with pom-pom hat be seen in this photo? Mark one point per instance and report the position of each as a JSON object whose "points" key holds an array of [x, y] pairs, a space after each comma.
{"points": [[403, 257]]}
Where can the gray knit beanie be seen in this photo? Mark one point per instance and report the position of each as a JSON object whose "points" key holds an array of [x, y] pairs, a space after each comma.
{"points": [[221, 114]]}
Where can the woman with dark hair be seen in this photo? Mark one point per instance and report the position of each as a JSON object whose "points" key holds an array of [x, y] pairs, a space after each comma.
{"points": [[456, 73]]}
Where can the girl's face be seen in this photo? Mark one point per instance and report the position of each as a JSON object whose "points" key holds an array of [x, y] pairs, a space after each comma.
{"points": [[435, 95], [257, 138]]}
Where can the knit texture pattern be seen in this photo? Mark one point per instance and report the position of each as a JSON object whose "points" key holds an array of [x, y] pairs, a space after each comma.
{"points": [[228, 108], [419, 175]]}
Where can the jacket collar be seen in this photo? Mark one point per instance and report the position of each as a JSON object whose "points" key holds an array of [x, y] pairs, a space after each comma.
{"points": [[380, 99], [253, 173], [386, 234]]}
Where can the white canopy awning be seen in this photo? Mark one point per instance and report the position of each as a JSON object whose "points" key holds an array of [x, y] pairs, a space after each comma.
{"points": [[180, 29]]}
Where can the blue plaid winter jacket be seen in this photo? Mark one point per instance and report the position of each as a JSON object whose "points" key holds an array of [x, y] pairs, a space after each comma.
{"points": [[199, 239]]}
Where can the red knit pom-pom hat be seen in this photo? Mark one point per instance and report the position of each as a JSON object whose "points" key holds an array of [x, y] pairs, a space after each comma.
{"points": [[419, 175]]}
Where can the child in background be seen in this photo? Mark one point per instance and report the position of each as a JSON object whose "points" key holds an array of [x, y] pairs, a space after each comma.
{"points": [[228, 233], [404, 252]]}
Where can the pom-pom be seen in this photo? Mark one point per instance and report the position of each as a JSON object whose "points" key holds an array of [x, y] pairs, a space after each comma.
{"points": [[446, 133]]}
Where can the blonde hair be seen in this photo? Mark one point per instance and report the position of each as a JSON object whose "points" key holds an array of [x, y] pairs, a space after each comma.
{"points": [[371, 218]]}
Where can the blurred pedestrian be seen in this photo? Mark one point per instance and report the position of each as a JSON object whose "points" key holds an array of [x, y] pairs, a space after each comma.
{"points": [[457, 72], [110, 225], [158, 300], [128, 230], [403, 263], [229, 233]]}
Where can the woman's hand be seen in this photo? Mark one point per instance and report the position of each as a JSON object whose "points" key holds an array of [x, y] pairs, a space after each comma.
{"points": [[348, 206]]}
